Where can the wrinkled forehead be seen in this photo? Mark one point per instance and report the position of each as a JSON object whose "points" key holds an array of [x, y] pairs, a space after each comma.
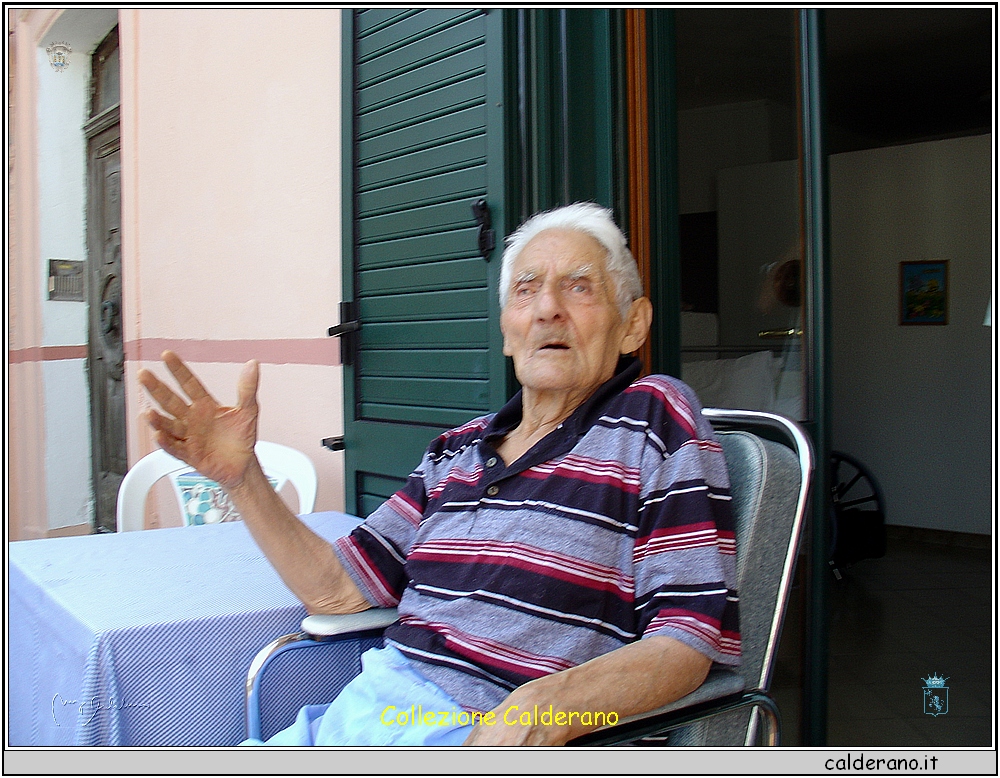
{"points": [[561, 251]]}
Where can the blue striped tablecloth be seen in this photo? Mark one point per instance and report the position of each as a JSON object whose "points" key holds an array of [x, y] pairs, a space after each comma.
{"points": [[142, 638]]}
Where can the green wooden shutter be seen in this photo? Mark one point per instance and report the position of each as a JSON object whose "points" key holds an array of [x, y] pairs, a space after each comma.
{"points": [[424, 119]]}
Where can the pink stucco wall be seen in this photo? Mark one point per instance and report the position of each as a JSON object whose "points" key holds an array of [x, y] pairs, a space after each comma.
{"points": [[231, 212], [25, 416], [231, 208]]}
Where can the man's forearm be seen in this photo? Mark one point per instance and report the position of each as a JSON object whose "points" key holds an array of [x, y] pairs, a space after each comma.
{"points": [[633, 679], [305, 561]]}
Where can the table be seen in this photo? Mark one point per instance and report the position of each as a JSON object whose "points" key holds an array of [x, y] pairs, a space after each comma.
{"points": [[142, 638]]}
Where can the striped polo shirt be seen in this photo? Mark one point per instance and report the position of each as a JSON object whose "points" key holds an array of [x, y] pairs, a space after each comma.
{"points": [[616, 526]]}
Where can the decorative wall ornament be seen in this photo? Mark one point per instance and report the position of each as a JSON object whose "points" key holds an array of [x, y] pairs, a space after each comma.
{"points": [[923, 292], [59, 56]]}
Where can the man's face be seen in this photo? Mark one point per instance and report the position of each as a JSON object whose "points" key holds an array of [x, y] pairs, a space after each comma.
{"points": [[561, 324]]}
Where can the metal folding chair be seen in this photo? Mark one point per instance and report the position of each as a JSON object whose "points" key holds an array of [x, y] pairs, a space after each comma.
{"points": [[770, 463]]}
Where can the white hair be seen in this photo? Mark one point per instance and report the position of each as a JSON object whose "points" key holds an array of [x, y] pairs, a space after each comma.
{"points": [[596, 222]]}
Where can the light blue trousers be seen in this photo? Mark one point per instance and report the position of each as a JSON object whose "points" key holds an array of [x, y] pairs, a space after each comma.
{"points": [[387, 704]]}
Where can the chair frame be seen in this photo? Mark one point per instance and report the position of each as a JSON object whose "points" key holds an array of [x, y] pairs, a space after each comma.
{"points": [[276, 460], [757, 698], [688, 710]]}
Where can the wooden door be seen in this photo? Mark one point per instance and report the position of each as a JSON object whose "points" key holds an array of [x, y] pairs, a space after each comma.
{"points": [[105, 345]]}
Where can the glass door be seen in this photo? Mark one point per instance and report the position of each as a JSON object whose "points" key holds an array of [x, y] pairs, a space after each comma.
{"points": [[740, 208], [754, 329]]}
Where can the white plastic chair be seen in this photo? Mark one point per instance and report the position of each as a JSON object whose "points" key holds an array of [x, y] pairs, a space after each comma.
{"points": [[201, 500]]}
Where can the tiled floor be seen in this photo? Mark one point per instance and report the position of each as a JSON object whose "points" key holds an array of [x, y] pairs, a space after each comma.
{"points": [[924, 608]]}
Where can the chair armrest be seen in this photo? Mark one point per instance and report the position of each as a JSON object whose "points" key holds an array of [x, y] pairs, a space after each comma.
{"points": [[315, 629], [719, 683], [722, 691], [326, 626], [660, 723]]}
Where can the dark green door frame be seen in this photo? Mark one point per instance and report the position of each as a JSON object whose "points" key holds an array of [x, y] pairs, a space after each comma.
{"points": [[815, 203], [571, 135], [664, 204], [563, 137], [564, 133]]}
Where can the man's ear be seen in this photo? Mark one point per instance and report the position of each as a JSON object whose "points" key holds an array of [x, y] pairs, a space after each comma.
{"points": [[637, 324]]}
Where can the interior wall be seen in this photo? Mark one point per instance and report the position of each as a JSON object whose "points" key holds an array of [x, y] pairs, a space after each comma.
{"points": [[716, 137], [913, 403]]}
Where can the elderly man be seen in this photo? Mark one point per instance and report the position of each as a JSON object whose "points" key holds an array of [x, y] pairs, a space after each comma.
{"points": [[571, 554]]}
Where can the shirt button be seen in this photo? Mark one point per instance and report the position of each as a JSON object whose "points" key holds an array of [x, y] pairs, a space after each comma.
{"points": [[491, 461], [493, 491]]}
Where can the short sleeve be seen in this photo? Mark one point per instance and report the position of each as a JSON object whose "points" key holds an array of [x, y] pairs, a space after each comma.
{"points": [[374, 554], [684, 556]]}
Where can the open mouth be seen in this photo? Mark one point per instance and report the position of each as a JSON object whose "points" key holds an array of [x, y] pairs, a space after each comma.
{"points": [[556, 346]]}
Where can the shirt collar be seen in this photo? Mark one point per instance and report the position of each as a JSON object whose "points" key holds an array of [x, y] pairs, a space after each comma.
{"points": [[583, 418]]}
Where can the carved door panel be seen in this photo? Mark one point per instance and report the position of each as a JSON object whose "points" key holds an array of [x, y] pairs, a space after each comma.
{"points": [[106, 353], [106, 349]]}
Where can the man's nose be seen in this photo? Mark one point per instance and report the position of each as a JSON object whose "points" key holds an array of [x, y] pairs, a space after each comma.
{"points": [[549, 303]]}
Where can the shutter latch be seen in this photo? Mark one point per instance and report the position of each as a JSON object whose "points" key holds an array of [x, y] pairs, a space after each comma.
{"points": [[487, 237]]}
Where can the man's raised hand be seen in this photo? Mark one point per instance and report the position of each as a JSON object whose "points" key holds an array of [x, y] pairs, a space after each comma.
{"points": [[215, 440]]}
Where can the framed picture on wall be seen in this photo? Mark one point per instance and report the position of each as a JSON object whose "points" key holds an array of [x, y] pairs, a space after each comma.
{"points": [[923, 292]]}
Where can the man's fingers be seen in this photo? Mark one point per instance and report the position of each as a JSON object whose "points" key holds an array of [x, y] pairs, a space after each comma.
{"points": [[173, 427], [192, 387], [165, 434], [163, 394], [170, 445], [246, 385]]}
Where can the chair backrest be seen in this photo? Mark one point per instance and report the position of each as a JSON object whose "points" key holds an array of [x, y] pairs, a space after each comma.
{"points": [[769, 482], [201, 500]]}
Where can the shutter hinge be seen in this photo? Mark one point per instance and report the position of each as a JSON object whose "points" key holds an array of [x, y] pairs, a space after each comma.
{"points": [[347, 332], [334, 444]]}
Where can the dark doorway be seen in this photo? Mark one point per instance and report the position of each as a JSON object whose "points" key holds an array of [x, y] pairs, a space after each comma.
{"points": [[105, 360]]}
